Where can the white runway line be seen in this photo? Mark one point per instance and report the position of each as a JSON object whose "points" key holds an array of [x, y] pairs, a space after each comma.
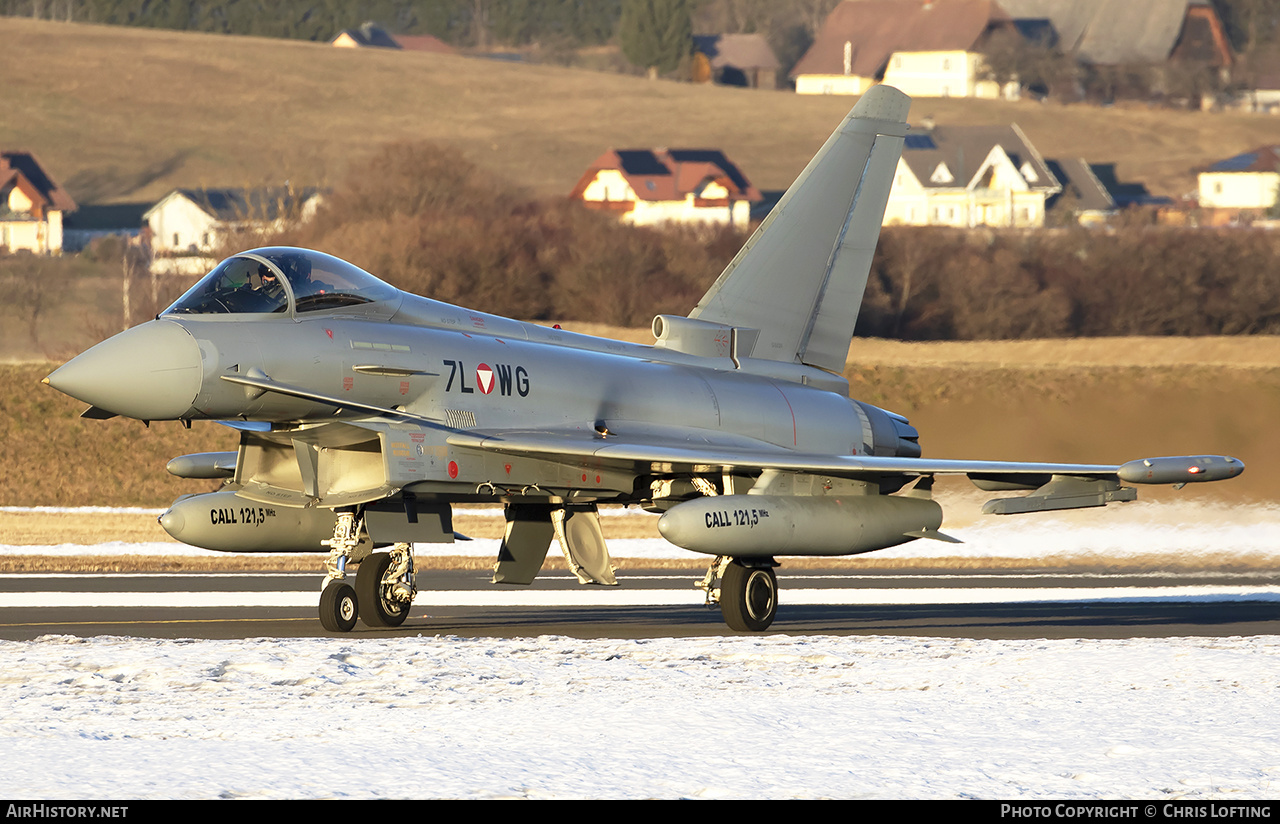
{"points": [[601, 597]]}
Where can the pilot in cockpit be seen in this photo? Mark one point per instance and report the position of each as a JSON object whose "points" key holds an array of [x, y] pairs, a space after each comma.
{"points": [[264, 281], [297, 268]]}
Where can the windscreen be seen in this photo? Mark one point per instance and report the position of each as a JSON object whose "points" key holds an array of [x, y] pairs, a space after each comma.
{"points": [[238, 285], [322, 281], [264, 280]]}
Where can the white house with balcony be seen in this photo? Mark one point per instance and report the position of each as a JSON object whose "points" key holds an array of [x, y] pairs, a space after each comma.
{"points": [[968, 176]]}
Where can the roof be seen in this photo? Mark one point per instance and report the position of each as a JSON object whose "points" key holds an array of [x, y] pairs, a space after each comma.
{"points": [[108, 216], [875, 29], [267, 203], [739, 51], [671, 174], [372, 35], [1110, 32], [25, 165], [1261, 159], [1078, 178], [423, 43], [964, 149]]}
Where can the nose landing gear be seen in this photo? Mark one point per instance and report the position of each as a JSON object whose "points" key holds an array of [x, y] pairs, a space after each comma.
{"points": [[384, 588]]}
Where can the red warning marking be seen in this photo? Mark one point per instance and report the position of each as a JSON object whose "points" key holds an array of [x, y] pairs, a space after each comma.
{"points": [[453, 469], [329, 332], [484, 378]]}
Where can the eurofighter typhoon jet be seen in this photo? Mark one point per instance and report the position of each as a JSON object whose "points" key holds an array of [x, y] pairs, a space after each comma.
{"points": [[365, 413]]}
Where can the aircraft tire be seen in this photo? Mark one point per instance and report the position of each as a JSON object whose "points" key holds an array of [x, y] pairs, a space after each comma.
{"points": [[376, 611], [338, 607], [748, 597]]}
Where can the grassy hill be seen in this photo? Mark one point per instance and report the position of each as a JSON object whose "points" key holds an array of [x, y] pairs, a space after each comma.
{"points": [[128, 114]]}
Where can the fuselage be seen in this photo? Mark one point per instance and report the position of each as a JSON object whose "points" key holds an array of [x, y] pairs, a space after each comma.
{"points": [[230, 351]]}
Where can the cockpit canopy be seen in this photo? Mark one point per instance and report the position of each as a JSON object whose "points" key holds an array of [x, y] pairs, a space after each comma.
{"points": [[281, 280]]}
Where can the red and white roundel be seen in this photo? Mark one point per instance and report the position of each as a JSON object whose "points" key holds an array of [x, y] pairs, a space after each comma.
{"points": [[484, 378]]}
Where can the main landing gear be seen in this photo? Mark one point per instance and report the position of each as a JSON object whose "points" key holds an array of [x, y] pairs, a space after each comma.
{"points": [[748, 592], [384, 588]]}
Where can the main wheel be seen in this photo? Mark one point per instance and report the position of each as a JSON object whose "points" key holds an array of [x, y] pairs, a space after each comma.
{"points": [[748, 597], [338, 607], [376, 609]]}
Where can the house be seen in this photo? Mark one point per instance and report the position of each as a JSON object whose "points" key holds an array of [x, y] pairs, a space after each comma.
{"points": [[1120, 32], [735, 60], [32, 206], [373, 36], [1259, 74], [1084, 197], [1092, 192], [653, 186], [1246, 185], [195, 221], [926, 48], [969, 176], [1129, 33], [95, 221]]}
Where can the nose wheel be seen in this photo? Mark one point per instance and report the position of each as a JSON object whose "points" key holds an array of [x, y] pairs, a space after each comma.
{"points": [[338, 607]]}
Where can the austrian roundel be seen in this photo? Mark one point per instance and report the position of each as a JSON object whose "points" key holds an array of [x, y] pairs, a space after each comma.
{"points": [[484, 378]]}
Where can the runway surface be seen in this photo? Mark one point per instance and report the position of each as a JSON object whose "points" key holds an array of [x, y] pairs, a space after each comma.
{"points": [[657, 603]]}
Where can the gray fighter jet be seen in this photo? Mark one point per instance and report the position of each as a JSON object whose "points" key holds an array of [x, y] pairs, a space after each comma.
{"points": [[365, 413]]}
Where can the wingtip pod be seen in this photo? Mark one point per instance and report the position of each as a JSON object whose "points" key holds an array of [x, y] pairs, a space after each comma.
{"points": [[203, 465], [1180, 469]]}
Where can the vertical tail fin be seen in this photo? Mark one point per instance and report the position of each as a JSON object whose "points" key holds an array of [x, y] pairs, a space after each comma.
{"points": [[799, 279]]}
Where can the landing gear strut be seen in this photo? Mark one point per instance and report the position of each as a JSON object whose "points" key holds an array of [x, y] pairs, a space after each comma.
{"points": [[748, 592], [338, 604]]}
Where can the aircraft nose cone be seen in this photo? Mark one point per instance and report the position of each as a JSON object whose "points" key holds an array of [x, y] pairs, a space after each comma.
{"points": [[151, 372]]}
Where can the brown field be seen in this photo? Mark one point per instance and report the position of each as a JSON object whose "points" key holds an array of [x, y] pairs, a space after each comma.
{"points": [[123, 114]]}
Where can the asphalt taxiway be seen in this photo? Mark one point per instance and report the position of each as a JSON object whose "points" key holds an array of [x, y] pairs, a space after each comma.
{"points": [[657, 603]]}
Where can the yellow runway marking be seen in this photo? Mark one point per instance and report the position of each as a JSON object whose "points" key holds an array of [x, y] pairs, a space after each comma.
{"points": [[174, 621]]}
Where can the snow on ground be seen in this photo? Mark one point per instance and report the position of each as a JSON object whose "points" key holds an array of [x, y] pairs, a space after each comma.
{"points": [[556, 717], [737, 717]]}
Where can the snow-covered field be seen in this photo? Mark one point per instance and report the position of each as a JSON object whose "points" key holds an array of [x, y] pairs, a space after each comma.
{"points": [[555, 717], [739, 717]]}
